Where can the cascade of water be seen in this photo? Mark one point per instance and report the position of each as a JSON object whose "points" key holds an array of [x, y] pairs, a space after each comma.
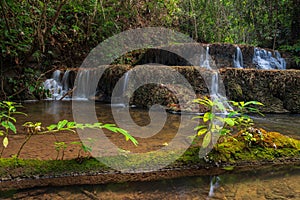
{"points": [[215, 93], [119, 98], [56, 75], [264, 59], [53, 84], [204, 61], [84, 78], [238, 58], [56, 85], [65, 81]]}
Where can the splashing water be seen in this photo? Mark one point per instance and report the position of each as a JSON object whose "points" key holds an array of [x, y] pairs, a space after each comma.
{"points": [[238, 58], [204, 60], [264, 59], [57, 85]]}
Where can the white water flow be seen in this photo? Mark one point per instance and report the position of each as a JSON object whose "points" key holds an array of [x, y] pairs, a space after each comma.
{"points": [[119, 97], [264, 59], [238, 58], [58, 85], [54, 85], [204, 60], [215, 94]]}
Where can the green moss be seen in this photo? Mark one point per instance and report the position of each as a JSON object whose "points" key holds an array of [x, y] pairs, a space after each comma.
{"points": [[231, 150], [269, 146], [29, 167]]}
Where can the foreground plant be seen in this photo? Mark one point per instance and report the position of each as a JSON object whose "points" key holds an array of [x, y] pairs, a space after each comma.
{"points": [[8, 120], [65, 125], [221, 121]]}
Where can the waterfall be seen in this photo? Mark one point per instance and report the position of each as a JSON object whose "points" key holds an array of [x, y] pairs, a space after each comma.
{"points": [[119, 95], [59, 85], [65, 81], [204, 61], [264, 59], [213, 85], [56, 85], [238, 58]]}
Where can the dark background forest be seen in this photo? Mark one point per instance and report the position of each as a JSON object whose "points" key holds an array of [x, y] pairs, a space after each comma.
{"points": [[39, 35]]}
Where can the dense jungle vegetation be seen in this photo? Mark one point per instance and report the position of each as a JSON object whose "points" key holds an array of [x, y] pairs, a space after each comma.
{"points": [[38, 35]]}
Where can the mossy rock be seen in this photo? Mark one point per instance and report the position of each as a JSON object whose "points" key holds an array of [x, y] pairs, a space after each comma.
{"points": [[262, 146]]}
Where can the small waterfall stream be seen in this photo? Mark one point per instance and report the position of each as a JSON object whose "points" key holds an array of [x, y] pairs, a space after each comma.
{"points": [[59, 84], [54, 85], [238, 59], [204, 60], [264, 59]]}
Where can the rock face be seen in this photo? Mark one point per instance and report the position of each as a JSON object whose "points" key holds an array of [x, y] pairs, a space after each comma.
{"points": [[221, 54], [278, 90]]}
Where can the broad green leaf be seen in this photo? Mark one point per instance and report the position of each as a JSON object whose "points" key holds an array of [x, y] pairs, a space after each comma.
{"points": [[4, 124], [61, 124], [233, 113], [71, 124], [202, 131], [5, 142], [242, 103], [12, 127], [51, 127], [206, 117], [199, 127], [206, 140], [229, 121]]}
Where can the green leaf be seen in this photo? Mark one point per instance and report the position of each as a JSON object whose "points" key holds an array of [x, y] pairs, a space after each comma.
{"points": [[5, 142], [206, 140], [51, 127], [229, 121], [31, 88], [71, 124], [4, 124], [12, 127], [61, 124], [202, 131], [206, 116], [199, 127], [254, 103], [1, 133]]}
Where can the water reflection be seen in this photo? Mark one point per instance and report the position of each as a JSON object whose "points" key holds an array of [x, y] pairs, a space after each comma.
{"points": [[274, 184], [52, 111]]}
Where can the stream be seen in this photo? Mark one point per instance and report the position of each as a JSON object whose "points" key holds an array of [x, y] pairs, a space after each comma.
{"points": [[283, 183]]}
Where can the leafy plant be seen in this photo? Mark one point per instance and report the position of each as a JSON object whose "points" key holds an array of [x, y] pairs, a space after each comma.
{"points": [[58, 147], [65, 125], [243, 121], [8, 120], [216, 123]]}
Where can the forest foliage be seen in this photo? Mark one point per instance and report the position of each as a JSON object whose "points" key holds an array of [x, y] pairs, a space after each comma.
{"points": [[50, 33]]}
